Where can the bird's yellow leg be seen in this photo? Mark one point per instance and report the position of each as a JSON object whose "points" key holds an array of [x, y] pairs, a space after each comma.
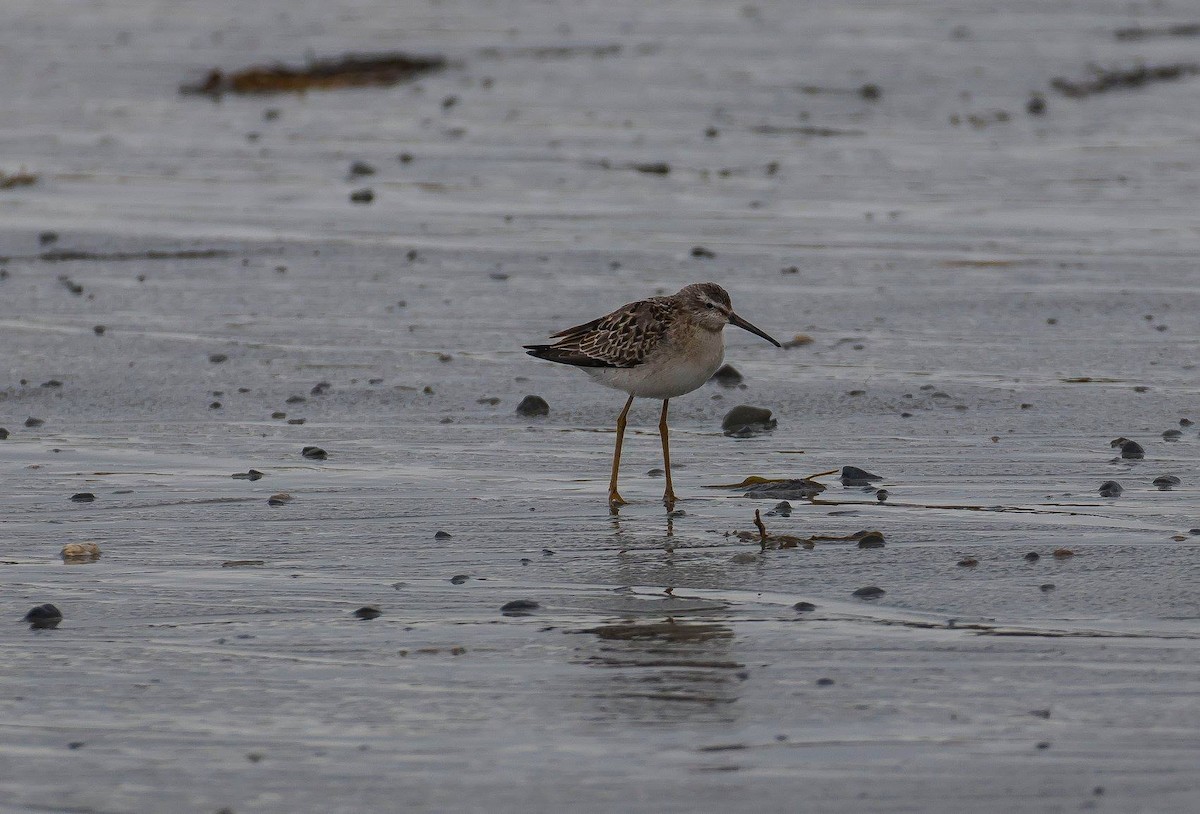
{"points": [[615, 499], [669, 494]]}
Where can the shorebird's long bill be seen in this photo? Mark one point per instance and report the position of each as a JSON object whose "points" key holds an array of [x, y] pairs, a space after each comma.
{"points": [[734, 319]]}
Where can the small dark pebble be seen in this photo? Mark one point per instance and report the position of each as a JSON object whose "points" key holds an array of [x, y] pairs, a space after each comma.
{"points": [[3, 434], [727, 376], [782, 509], [1185, 422], [76, 744], [320, 389], [458, 579], [44, 616], [824, 682], [99, 330], [804, 607], [871, 539], [1032, 556], [1110, 488], [1046, 587], [656, 473], [442, 535], [1166, 481], [532, 406], [1194, 532], [314, 453], [296, 421], [870, 92], [1044, 714], [853, 476], [547, 552], [1036, 105], [361, 168], [519, 607], [405, 158], [295, 400], [869, 592], [368, 612], [653, 167], [1132, 450], [362, 196], [82, 497], [46, 238], [700, 251], [252, 474], [51, 383], [968, 562], [745, 420], [216, 405], [278, 414], [1043, 744], [1172, 435], [34, 422], [217, 358]]}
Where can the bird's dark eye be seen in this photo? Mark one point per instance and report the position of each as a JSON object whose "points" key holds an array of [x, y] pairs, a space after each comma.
{"points": [[709, 306]]}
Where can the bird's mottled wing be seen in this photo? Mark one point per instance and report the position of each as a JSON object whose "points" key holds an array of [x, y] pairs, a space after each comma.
{"points": [[620, 339]]}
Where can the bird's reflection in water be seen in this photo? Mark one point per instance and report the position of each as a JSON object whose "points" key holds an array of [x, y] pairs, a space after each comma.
{"points": [[661, 670]]}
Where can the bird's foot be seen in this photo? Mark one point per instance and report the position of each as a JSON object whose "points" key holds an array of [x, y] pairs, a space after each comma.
{"points": [[669, 501], [615, 499]]}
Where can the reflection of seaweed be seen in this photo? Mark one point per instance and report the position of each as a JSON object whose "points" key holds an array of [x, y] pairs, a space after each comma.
{"points": [[348, 71], [668, 631]]}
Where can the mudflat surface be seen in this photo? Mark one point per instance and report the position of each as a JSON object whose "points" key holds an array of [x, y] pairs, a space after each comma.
{"points": [[993, 297]]}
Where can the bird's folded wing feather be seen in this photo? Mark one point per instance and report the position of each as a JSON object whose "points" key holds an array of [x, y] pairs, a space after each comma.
{"points": [[620, 339]]}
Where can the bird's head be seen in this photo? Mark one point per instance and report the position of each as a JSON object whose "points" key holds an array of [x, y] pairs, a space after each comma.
{"points": [[708, 305]]}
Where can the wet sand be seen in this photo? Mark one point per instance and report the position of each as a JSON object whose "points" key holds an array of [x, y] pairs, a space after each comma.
{"points": [[991, 303]]}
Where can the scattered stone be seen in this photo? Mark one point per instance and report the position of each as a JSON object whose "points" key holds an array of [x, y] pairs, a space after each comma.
{"points": [[217, 358], [519, 607], [51, 383], [1172, 435], [653, 167], [242, 563], [532, 406], [295, 400], [362, 196], [700, 251], [882, 495], [34, 422], [296, 421], [458, 579], [45, 616], [4, 434], [853, 476], [279, 499], [727, 376], [46, 238], [368, 612], [80, 552], [361, 168], [1165, 482], [1046, 587], [1110, 488], [314, 453], [745, 558], [804, 607], [870, 539], [69, 284], [656, 473], [782, 509], [791, 489], [968, 562], [870, 92], [320, 389], [744, 421], [82, 497], [1036, 105], [824, 682], [869, 592], [216, 405], [1063, 553], [491, 401], [1132, 450], [1032, 556], [442, 535], [252, 474], [1101, 80]]}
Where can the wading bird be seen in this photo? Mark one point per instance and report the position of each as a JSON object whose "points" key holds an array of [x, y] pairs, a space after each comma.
{"points": [[657, 348]]}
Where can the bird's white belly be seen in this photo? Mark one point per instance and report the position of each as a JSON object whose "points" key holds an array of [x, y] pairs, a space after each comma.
{"points": [[668, 373]]}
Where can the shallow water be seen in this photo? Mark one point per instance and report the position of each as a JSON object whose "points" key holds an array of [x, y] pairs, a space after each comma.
{"points": [[967, 275]]}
